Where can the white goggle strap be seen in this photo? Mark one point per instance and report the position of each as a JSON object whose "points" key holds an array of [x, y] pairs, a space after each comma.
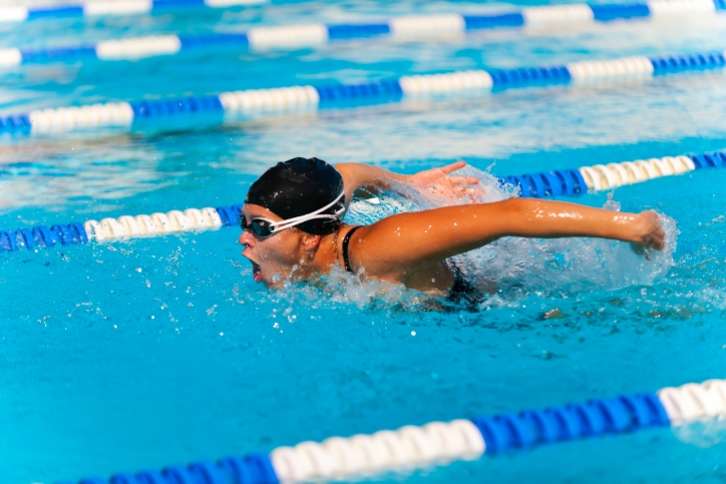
{"points": [[316, 215]]}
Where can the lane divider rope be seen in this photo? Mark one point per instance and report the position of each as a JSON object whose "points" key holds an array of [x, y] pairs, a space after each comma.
{"points": [[530, 17], [555, 18], [96, 8], [436, 443], [554, 183], [252, 102], [600, 177]]}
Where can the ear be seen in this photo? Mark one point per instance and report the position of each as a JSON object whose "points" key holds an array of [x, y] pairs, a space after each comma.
{"points": [[310, 242]]}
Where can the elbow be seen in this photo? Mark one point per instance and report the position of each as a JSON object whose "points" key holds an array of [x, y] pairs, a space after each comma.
{"points": [[344, 169], [521, 208], [519, 217]]}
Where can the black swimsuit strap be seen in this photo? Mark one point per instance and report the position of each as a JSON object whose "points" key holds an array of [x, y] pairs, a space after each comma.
{"points": [[346, 242]]}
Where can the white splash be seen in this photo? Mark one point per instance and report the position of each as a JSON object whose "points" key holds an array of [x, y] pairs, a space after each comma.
{"points": [[533, 264]]}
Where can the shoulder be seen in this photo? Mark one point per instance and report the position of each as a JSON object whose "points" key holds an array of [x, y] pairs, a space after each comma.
{"points": [[361, 250]]}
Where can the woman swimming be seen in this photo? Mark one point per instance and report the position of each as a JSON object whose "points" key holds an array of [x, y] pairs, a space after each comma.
{"points": [[292, 227]]}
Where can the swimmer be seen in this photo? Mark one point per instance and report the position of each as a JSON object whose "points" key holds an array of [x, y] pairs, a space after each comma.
{"points": [[292, 228]]}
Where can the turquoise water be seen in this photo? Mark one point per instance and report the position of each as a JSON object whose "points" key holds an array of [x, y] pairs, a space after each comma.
{"points": [[156, 351]]}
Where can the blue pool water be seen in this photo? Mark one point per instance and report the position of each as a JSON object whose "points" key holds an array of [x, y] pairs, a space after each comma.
{"points": [[155, 351]]}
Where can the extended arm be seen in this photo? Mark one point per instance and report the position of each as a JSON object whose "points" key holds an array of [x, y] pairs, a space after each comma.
{"points": [[404, 240], [361, 176]]}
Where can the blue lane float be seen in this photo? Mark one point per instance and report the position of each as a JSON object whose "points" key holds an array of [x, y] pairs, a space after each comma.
{"points": [[156, 224], [406, 28], [96, 8], [256, 102], [611, 12], [43, 236], [554, 183], [436, 443]]}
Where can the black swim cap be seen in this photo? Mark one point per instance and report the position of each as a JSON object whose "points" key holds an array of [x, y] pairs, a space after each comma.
{"points": [[297, 187]]}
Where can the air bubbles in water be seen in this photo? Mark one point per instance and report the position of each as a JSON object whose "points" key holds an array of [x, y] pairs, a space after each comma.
{"points": [[702, 434]]}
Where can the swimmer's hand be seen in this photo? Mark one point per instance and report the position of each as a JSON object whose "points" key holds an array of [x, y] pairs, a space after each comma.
{"points": [[441, 182], [647, 232]]}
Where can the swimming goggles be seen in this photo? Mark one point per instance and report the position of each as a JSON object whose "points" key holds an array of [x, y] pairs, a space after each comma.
{"points": [[262, 227]]}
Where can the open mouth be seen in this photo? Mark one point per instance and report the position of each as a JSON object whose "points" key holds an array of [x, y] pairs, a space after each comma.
{"points": [[256, 275]]}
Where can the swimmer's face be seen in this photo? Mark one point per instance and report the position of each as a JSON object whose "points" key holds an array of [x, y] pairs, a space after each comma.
{"points": [[273, 258]]}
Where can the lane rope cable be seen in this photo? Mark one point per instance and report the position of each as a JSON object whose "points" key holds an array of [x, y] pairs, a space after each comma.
{"points": [[252, 102], [437, 443], [551, 19], [554, 183], [98, 8]]}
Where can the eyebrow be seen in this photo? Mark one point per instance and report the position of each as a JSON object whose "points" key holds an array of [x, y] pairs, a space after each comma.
{"points": [[242, 219]]}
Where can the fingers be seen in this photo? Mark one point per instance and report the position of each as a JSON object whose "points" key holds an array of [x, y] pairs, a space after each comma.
{"points": [[642, 249], [657, 240], [457, 165], [651, 230], [464, 180], [657, 234], [457, 192], [473, 195], [654, 240], [637, 248]]}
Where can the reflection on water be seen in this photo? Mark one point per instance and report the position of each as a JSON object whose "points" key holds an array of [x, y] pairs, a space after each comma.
{"points": [[48, 173], [486, 127]]}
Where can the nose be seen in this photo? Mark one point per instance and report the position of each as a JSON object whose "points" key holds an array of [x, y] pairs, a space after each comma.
{"points": [[244, 237]]}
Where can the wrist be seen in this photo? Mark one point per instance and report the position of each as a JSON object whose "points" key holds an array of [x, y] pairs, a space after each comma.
{"points": [[385, 179], [629, 227]]}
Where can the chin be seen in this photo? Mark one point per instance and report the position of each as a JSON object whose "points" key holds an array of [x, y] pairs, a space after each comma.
{"points": [[276, 281]]}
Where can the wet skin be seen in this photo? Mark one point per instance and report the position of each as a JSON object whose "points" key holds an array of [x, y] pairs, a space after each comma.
{"points": [[412, 248], [296, 255]]}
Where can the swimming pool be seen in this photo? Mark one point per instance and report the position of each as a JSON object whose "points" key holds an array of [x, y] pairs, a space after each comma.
{"points": [[155, 351]]}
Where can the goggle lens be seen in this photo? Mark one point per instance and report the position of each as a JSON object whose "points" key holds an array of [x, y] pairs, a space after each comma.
{"points": [[262, 228], [259, 227]]}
